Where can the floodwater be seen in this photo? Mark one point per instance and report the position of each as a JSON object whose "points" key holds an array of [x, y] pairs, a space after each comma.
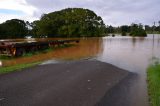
{"points": [[87, 48], [132, 54]]}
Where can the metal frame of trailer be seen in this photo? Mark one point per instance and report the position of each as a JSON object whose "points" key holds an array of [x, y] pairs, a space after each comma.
{"points": [[20, 48]]}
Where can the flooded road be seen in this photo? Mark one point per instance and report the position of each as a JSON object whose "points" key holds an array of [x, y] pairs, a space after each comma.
{"points": [[135, 55], [132, 54]]}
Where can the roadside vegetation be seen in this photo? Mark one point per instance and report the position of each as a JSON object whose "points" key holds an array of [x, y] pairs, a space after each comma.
{"points": [[8, 69], [19, 67], [153, 76]]}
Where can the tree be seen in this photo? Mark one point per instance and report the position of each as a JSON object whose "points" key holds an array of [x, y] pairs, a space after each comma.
{"points": [[70, 22], [159, 26], [148, 28], [125, 29], [137, 30], [14, 28], [110, 29]]}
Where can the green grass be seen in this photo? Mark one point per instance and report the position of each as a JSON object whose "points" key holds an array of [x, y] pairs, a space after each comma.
{"points": [[153, 76], [5, 57], [18, 67]]}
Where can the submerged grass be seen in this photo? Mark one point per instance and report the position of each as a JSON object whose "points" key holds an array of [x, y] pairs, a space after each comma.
{"points": [[153, 76], [18, 67], [5, 57]]}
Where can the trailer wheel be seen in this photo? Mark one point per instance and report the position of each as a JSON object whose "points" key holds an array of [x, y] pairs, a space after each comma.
{"points": [[43, 47], [77, 41], [20, 52], [33, 49]]}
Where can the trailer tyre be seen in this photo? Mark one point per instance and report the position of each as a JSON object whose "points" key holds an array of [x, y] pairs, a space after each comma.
{"points": [[33, 49], [20, 52]]}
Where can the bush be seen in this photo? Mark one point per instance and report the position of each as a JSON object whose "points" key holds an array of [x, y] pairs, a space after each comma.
{"points": [[124, 34], [137, 30]]}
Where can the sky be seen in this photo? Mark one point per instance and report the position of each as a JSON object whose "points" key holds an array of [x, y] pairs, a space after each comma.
{"points": [[113, 12]]}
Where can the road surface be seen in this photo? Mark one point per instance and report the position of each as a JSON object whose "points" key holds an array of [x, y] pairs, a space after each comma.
{"points": [[76, 83]]}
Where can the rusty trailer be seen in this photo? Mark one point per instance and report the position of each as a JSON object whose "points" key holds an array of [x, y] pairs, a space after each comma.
{"points": [[9, 48]]}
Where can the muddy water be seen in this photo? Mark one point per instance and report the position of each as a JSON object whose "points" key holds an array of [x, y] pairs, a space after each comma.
{"points": [[87, 48], [133, 54]]}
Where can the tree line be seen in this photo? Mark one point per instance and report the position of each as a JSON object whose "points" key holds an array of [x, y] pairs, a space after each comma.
{"points": [[70, 22], [133, 28]]}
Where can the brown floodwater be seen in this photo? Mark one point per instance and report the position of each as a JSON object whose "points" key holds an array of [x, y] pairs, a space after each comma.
{"points": [[132, 54], [135, 55], [88, 47]]}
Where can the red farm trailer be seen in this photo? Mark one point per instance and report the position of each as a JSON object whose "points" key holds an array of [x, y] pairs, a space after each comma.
{"points": [[10, 48]]}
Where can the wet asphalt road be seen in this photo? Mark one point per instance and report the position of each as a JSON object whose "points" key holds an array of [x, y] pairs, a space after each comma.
{"points": [[78, 83]]}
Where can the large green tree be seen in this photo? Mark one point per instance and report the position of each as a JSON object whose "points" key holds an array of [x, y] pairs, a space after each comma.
{"points": [[14, 28], [137, 30], [125, 29], [70, 22]]}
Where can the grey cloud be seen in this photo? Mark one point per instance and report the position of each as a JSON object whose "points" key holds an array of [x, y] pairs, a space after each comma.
{"points": [[115, 12]]}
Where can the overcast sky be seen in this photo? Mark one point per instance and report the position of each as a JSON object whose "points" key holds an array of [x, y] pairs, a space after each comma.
{"points": [[113, 12]]}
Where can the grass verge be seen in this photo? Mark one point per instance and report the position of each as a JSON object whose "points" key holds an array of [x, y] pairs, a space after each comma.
{"points": [[153, 76], [18, 67]]}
